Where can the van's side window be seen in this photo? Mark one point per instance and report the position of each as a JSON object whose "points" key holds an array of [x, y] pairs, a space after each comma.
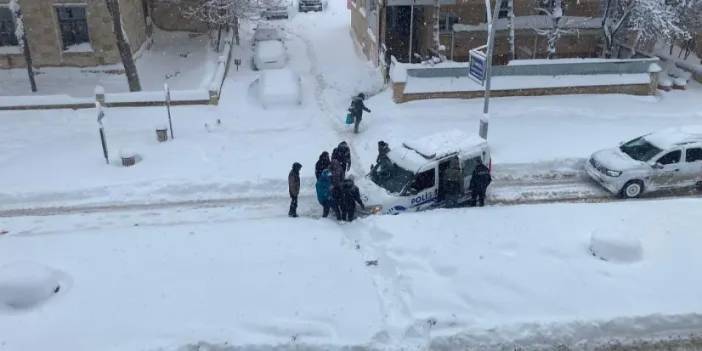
{"points": [[469, 165], [424, 180], [693, 155], [670, 158]]}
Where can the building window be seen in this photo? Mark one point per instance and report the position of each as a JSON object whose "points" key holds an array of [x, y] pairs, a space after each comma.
{"points": [[504, 10], [73, 25], [446, 22], [7, 28]]}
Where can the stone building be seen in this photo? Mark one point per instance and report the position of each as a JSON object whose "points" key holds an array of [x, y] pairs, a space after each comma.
{"points": [[397, 25], [79, 32]]}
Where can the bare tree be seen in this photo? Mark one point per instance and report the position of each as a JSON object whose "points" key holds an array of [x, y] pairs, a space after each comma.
{"points": [[553, 10], [689, 14], [125, 51], [436, 31], [510, 29], [225, 14], [647, 19], [22, 41]]}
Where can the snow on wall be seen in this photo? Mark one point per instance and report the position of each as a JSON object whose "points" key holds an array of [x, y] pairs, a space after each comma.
{"points": [[456, 84]]}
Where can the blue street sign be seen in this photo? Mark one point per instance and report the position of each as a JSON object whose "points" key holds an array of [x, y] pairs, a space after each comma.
{"points": [[477, 67]]}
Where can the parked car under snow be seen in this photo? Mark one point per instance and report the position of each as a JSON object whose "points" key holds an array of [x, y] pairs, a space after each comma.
{"points": [[266, 32], [269, 54], [275, 12], [310, 5], [667, 159], [279, 87]]}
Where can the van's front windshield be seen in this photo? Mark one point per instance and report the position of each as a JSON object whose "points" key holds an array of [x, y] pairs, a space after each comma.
{"points": [[390, 176], [639, 149]]}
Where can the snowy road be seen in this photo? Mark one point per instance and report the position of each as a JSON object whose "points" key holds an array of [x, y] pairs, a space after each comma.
{"points": [[505, 190]]}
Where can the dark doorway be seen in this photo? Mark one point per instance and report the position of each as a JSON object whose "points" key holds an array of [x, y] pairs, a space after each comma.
{"points": [[397, 28]]}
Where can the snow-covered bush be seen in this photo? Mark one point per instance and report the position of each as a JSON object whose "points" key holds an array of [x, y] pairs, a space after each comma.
{"points": [[24, 285], [615, 246]]}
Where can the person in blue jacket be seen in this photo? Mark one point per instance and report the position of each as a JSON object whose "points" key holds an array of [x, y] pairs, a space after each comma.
{"points": [[324, 193]]}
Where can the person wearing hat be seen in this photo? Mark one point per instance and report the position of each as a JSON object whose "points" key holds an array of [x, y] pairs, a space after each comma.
{"points": [[350, 195], [294, 188], [478, 184], [356, 110]]}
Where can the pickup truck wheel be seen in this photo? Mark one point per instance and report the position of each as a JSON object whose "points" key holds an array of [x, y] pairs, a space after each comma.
{"points": [[632, 189]]}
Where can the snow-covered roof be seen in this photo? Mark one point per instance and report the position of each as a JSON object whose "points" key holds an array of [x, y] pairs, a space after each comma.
{"points": [[671, 137], [445, 143], [415, 154], [407, 159], [534, 22]]}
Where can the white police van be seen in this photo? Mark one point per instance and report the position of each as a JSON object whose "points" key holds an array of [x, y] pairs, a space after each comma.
{"points": [[412, 177]]}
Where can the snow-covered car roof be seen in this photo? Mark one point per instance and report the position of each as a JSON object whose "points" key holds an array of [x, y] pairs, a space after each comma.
{"points": [[438, 145], [672, 137], [263, 33], [413, 155], [280, 82], [270, 50]]}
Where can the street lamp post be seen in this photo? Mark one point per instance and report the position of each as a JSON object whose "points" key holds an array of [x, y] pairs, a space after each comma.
{"points": [[100, 116], [485, 119], [168, 106]]}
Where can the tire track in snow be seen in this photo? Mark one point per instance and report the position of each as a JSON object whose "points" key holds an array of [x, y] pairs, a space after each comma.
{"points": [[321, 87], [385, 276], [396, 313]]}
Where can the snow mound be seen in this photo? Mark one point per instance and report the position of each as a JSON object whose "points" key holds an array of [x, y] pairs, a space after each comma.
{"points": [[24, 285], [615, 246]]}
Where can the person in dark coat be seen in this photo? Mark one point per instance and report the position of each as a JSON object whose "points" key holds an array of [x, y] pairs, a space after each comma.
{"points": [[336, 201], [343, 154], [294, 188], [383, 151], [338, 173], [356, 110], [388, 64], [479, 183], [324, 192], [350, 195], [323, 163]]}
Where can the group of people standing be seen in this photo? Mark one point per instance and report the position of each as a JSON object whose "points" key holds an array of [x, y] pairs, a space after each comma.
{"points": [[335, 190]]}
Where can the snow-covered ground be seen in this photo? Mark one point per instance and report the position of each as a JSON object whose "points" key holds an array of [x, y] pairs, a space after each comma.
{"points": [[184, 61], [488, 278], [226, 267]]}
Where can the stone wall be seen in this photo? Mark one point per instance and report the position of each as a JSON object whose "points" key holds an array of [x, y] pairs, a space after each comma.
{"points": [[359, 28], [631, 89], [44, 36]]}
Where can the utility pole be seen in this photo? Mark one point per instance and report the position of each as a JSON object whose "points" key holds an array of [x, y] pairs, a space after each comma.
{"points": [[485, 119], [411, 37]]}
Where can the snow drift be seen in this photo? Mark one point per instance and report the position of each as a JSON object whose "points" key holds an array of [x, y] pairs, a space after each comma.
{"points": [[615, 246], [24, 285]]}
